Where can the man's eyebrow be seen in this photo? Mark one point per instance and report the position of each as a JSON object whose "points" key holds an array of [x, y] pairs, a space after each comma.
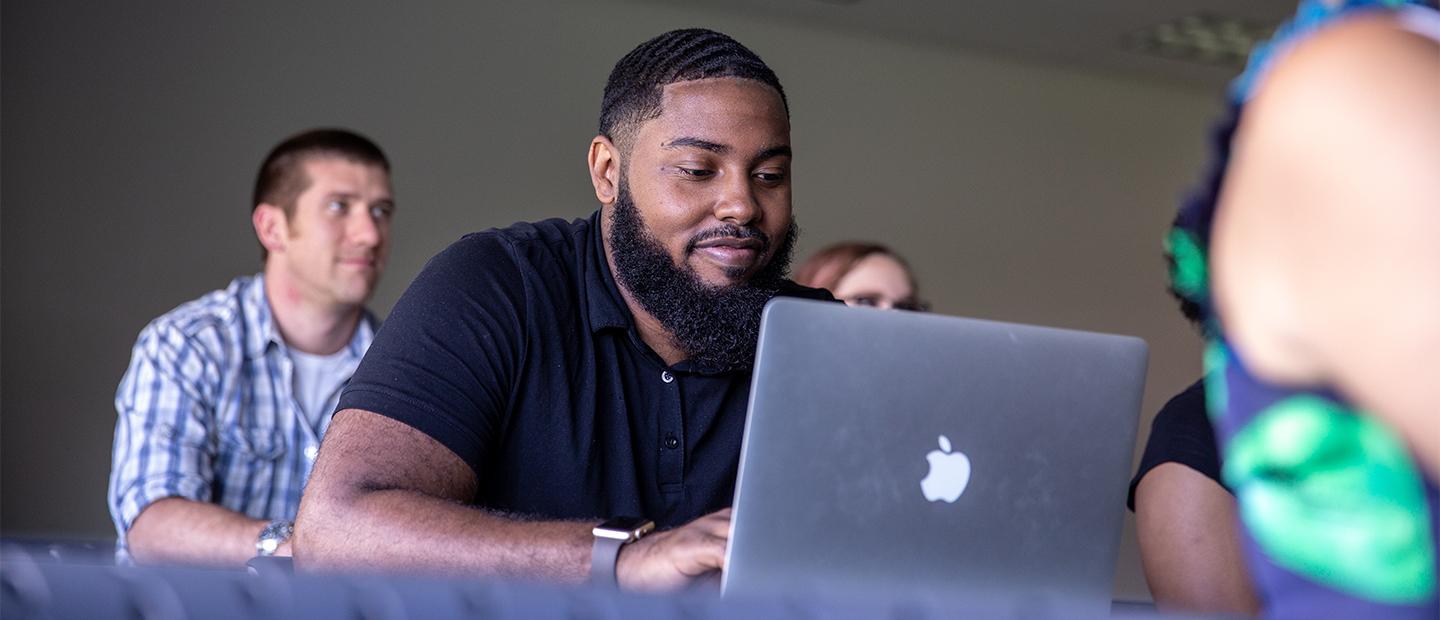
{"points": [[782, 150], [348, 196], [713, 147]]}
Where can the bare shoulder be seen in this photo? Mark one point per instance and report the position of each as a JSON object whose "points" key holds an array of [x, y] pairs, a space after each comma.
{"points": [[1175, 485], [1363, 90], [1365, 63], [376, 452], [1329, 192], [1189, 546], [1366, 82]]}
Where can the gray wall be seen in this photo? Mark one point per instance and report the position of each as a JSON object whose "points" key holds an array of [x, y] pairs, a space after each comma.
{"points": [[131, 133]]}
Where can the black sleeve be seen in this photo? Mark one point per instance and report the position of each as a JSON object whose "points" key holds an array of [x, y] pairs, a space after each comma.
{"points": [[789, 288], [1181, 433], [447, 356]]}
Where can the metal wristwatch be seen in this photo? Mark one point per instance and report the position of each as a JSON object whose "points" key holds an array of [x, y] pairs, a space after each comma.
{"points": [[610, 536], [275, 534]]}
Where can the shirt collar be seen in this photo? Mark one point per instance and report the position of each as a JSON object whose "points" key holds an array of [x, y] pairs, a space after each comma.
{"points": [[259, 323], [261, 331], [364, 334], [602, 297]]}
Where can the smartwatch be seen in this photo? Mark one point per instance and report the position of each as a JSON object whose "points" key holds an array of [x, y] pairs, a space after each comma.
{"points": [[610, 536], [275, 534]]}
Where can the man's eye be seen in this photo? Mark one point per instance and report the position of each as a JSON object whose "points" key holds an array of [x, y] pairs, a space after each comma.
{"points": [[698, 173], [770, 177], [381, 212], [335, 205], [863, 300]]}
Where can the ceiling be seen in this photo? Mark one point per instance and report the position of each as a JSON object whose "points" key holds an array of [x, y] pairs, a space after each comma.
{"points": [[1083, 34]]}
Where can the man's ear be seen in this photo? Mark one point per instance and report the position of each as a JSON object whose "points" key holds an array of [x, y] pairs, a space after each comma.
{"points": [[604, 161], [272, 227]]}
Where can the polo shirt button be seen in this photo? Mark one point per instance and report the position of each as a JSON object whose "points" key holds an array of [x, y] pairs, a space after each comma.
{"points": [[666, 376], [671, 442], [311, 451]]}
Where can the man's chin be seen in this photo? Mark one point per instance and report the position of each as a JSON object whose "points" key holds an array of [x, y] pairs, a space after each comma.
{"points": [[355, 295], [723, 283], [717, 277]]}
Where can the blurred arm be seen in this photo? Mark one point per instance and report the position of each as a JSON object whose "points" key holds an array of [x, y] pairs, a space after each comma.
{"points": [[174, 530], [1189, 543]]}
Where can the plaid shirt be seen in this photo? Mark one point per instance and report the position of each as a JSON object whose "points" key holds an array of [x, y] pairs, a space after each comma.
{"points": [[207, 411]]}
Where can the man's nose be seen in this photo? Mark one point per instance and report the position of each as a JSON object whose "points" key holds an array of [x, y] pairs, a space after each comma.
{"points": [[362, 228], [736, 203]]}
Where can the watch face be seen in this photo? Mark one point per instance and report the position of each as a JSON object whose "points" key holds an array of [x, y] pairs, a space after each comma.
{"points": [[626, 529], [624, 524], [268, 546], [274, 535]]}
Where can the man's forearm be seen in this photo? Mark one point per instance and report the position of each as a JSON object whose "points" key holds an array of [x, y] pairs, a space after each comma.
{"points": [[181, 531], [408, 530], [386, 496]]}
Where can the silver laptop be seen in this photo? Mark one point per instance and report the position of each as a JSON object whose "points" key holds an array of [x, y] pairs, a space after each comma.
{"points": [[978, 464]]}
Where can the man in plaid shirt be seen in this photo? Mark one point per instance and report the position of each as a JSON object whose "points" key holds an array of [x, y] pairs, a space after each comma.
{"points": [[222, 408]]}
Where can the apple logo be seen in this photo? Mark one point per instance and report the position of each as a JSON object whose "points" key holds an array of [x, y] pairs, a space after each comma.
{"points": [[949, 473]]}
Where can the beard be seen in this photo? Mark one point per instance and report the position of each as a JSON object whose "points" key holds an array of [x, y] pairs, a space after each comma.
{"points": [[716, 327]]}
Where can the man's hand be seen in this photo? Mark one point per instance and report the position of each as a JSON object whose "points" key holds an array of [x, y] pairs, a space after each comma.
{"points": [[175, 530], [673, 559]]}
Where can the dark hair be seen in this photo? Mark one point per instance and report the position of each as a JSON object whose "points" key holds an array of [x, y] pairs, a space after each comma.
{"points": [[282, 178], [1189, 309], [825, 269], [632, 94]]}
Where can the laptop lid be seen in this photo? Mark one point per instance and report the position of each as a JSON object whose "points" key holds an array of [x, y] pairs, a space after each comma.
{"points": [[970, 460]]}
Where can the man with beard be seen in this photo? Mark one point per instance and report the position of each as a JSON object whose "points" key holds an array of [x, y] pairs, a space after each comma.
{"points": [[521, 398]]}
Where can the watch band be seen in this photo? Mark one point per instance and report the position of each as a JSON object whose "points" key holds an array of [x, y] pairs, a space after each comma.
{"points": [[610, 537], [603, 556]]}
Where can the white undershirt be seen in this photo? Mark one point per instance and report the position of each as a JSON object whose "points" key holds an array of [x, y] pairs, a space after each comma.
{"points": [[317, 382]]}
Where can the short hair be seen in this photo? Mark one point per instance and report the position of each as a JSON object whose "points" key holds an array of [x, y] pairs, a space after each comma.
{"points": [[633, 92], [1193, 312], [826, 268], [282, 175]]}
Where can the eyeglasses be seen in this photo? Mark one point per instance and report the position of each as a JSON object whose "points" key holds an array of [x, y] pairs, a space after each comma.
{"points": [[875, 301]]}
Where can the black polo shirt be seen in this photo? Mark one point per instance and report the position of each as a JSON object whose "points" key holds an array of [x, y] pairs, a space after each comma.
{"points": [[514, 349]]}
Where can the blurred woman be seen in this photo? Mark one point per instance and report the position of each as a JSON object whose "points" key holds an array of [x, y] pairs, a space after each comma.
{"points": [[863, 274], [1311, 253]]}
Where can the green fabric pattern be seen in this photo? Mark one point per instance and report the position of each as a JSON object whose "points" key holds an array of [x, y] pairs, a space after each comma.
{"points": [[1217, 392], [1189, 273], [1335, 497]]}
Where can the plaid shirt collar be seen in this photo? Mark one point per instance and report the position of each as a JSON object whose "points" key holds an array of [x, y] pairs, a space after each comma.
{"points": [[261, 331]]}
